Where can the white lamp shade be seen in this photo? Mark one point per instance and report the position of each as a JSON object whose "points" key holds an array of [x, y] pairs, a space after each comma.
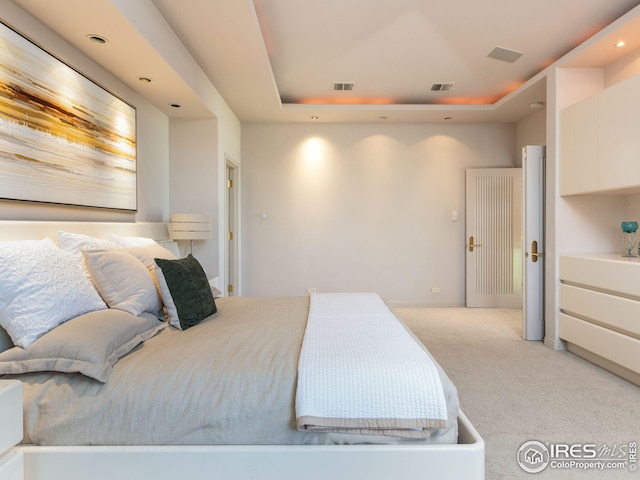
{"points": [[190, 226]]}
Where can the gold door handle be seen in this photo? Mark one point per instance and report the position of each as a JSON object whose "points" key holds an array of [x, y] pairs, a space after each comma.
{"points": [[472, 245], [534, 251]]}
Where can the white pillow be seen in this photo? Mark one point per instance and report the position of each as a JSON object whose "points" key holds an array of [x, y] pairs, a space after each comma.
{"points": [[75, 242], [41, 286], [131, 241], [124, 282], [148, 254]]}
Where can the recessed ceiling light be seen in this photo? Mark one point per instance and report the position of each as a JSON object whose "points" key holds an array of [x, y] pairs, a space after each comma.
{"points": [[382, 118], [621, 43], [448, 118], [175, 105], [538, 104], [144, 79], [99, 39], [314, 117]]}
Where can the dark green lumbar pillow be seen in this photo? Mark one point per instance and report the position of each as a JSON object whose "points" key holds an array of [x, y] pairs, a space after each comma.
{"points": [[185, 291]]}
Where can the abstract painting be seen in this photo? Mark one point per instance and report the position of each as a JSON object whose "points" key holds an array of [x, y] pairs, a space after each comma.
{"points": [[63, 138]]}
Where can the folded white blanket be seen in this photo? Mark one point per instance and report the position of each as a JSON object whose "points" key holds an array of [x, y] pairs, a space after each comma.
{"points": [[361, 371]]}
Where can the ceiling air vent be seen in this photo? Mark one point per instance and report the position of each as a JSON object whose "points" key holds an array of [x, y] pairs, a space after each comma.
{"points": [[342, 86], [504, 54], [441, 87]]}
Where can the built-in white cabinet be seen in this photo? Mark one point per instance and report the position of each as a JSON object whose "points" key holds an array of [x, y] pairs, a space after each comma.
{"points": [[11, 462], [600, 143], [600, 311], [579, 148]]}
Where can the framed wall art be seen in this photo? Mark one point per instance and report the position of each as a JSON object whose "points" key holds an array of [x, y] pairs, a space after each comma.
{"points": [[63, 138]]}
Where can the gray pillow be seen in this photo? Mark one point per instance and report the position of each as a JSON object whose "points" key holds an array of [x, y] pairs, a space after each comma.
{"points": [[89, 344]]}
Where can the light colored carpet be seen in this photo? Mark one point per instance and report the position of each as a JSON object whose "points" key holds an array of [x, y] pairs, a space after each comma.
{"points": [[514, 391]]}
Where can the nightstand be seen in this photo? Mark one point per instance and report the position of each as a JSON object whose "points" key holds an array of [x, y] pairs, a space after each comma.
{"points": [[11, 462]]}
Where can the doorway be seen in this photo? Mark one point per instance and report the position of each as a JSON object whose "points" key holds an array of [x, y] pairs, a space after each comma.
{"points": [[505, 211], [231, 226]]}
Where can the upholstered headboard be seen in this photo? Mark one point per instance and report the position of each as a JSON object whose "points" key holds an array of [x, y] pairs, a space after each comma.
{"points": [[33, 230]]}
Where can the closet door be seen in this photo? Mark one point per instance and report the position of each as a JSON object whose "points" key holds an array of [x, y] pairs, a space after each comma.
{"points": [[619, 136], [579, 148]]}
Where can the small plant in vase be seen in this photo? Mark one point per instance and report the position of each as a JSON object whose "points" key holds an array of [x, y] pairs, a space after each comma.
{"points": [[629, 237]]}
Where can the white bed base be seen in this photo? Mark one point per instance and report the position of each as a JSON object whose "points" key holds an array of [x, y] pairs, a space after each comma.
{"points": [[464, 460]]}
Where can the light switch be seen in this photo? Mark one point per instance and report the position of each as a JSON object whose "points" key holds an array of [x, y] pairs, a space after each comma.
{"points": [[454, 215]]}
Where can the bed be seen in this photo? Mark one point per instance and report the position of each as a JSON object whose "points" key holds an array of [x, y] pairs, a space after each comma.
{"points": [[245, 359]]}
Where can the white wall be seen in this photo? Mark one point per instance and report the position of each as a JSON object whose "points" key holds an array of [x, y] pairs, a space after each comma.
{"points": [[229, 150], [361, 207], [531, 130], [194, 180], [152, 138], [199, 149], [623, 68]]}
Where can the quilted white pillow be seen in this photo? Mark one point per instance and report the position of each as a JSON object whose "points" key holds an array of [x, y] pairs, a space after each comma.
{"points": [[41, 286], [123, 281]]}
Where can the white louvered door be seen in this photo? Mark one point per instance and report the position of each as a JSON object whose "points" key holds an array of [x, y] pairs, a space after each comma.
{"points": [[494, 238]]}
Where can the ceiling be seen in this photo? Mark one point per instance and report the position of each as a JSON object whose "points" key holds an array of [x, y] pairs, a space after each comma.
{"points": [[276, 60]]}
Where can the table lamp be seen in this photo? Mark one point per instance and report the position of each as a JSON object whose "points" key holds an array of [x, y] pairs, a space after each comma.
{"points": [[190, 226]]}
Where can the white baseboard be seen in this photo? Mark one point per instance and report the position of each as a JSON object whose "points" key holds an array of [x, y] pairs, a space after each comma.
{"points": [[556, 344], [400, 303]]}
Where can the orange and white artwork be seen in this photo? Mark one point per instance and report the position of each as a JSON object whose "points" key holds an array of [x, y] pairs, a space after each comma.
{"points": [[63, 138]]}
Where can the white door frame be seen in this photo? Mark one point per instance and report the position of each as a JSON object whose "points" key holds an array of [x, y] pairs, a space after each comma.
{"points": [[231, 285]]}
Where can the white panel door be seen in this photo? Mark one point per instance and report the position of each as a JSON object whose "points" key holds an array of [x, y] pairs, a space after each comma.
{"points": [[533, 168], [494, 238]]}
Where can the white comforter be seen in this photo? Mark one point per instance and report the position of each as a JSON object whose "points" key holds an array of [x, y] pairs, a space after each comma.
{"points": [[361, 371]]}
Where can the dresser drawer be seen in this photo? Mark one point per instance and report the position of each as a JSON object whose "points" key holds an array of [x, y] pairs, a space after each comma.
{"points": [[618, 313], [616, 347], [10, 414], [611, 273]]}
